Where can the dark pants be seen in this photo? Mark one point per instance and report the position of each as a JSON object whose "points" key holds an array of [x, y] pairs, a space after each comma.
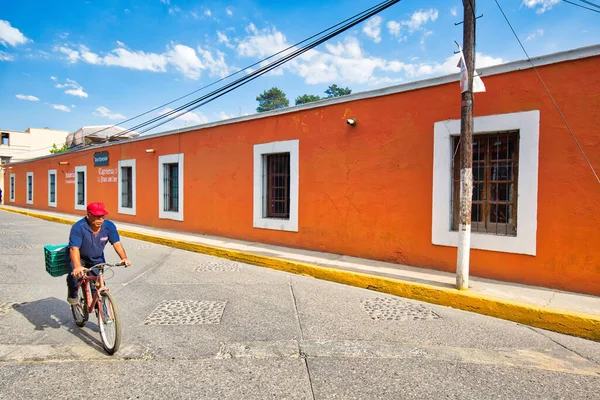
{"points": [[73, 282]]}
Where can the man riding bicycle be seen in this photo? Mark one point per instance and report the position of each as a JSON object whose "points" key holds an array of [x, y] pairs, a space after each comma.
{"points": [[87, 240]]}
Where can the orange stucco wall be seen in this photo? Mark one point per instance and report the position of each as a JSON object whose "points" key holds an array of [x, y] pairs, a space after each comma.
{"points": [[367, 191]]}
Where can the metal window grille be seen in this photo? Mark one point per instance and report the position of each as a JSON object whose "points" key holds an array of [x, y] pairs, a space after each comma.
{"points": [[171, 187], [495, 178], [127, 187], [52, 188], [278, 185], [12, 187], [80, 188], [30, 188]]}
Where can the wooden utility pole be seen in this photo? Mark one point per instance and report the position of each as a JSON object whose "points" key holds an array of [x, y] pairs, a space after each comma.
{"points": [[466, 150]]}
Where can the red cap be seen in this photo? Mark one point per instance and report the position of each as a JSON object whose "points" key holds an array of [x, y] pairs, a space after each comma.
{"points": [[97, 209]]}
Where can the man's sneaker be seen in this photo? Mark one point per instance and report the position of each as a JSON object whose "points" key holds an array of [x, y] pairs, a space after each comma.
{"points": [[72, 299]]}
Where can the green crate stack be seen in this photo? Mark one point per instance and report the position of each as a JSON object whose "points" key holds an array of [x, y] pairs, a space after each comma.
{"points": [[57, 259]]}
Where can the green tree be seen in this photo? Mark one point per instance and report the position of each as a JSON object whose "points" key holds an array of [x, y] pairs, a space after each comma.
{"points": [[271, 99], [56, 150], [336, 91], [307, 98]]}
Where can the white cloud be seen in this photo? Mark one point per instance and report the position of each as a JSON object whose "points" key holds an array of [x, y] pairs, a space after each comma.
{"points": [[53, 78], [454, 12], [105, 112], [174, 10], [127, 11], [28, 98], [224, 115], [224, 39], [544, 5], [88, 56], [217, 66], [5, 56], [138, 60], [538, 32], [60, 107], [10, 36], [184, 58], [167, 2], [63, 35], [73, 88], [228, 11], [261, 44], [208, 13], [72, 55], [189, 118], [373, 29], [120, 44], [416, 23]]}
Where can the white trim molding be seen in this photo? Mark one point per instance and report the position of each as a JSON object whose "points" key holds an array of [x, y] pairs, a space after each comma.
{"points": [[170, 159], [528, 125], [12, 187], [123, 209], [260, 185], [28, 200], [52, 203], [81, 168]]}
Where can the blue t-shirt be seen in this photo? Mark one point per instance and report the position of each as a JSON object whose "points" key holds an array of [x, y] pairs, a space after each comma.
{"points": [[91, 247]]}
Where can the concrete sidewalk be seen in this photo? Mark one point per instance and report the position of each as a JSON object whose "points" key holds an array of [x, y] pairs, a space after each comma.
{"points": [[563, 312]]}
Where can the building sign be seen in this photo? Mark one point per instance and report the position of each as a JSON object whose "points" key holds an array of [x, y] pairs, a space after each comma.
{"points": [[101, 159], [107, 175]]}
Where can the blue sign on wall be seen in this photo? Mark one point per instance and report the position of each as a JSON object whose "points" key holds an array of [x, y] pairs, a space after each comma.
{"points": [[101, 159]]}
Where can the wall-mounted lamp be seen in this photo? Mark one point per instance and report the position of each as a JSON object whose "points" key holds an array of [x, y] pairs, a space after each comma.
{"points": [[351, 122], [63, 163], [150, 151]]}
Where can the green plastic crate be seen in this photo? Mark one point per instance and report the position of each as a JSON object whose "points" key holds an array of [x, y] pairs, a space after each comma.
{"points": [[57, 259]]}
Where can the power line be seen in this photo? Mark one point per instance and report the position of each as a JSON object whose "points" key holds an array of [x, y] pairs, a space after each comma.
{"points": [[590, 3], [549, 94], [579, 5]]}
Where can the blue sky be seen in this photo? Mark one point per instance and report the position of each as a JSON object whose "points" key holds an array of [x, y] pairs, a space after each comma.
{"points": [[74, 63]]}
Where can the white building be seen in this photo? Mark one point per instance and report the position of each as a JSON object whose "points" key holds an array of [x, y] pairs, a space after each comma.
{"points": [[33, 143]]}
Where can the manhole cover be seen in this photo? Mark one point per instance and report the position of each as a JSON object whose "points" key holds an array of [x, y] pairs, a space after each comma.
{"points": [[5, 307], [186, 312], [218, 266], [390, 309]]}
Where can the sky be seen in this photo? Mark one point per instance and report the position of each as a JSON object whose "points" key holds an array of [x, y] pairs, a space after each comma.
{"points": [[75, 63]]}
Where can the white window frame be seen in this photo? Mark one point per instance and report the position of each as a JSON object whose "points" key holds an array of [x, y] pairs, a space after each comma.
{"points": [[52, 203], [127, 210], [170, 159], [27, 199], [528, 125], [12, 184], [260, 185], [81, 168]]}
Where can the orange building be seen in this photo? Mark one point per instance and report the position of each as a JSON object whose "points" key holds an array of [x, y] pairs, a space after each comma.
{"points": [[384, 188]]}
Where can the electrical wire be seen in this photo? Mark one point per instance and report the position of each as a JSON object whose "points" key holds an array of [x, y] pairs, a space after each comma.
{"points": [[549, 94], [590, 3], [579, 5]]}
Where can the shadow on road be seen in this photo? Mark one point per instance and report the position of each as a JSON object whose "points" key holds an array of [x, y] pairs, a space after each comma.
{"points": [[53, 313]]}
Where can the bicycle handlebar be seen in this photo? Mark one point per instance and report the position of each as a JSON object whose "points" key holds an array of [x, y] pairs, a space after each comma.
{"points": [[102, 265]]}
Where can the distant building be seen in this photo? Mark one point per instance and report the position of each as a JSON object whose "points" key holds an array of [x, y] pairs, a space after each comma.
{"points": [[33, 143], [88, 135]]}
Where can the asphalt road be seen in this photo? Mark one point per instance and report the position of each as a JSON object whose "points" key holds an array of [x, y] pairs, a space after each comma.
{"points": [[201, 327]]}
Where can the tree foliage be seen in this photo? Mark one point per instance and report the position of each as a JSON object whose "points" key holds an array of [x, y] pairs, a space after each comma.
{"points": [[56, 150], [307, 98], [271, 99], [336, 91]]}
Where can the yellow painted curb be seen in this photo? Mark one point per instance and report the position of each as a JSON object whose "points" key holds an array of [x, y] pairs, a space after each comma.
{"points": [[576, 324]]}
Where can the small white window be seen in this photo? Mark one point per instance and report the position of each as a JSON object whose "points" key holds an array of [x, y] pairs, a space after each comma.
{"points": [[276, 171], [170, 184], [52, 193], [127, 192], [12, 187], [29, 188], [81, 187]]}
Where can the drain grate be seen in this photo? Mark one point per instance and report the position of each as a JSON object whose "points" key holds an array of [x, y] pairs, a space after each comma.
{"points": [[5, 307], [218, 266], [186, 312], [390, 309]]}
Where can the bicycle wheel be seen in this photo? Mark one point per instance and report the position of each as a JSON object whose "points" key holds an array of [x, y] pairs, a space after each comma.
{"points": [[80, 310], [109, 323]]}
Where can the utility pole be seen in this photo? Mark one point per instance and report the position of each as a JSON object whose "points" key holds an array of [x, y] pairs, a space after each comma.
{"points": [[466, 150]]}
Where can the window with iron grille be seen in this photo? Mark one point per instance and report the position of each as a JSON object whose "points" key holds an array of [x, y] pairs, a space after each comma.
{"points": [[52, 184], [12, 187], [495, 176], [278, 185], [29, 188], [171, 187], [80, 188], [127, 187]]}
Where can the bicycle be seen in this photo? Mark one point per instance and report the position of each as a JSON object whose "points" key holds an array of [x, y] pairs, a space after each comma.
{"points": [[103, 303]]}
